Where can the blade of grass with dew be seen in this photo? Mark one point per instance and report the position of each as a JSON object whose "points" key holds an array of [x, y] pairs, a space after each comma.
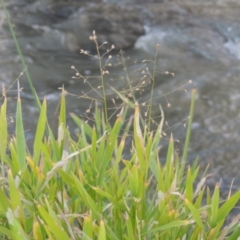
{"points": [[20, 54], [20, 135], [40, 131]]}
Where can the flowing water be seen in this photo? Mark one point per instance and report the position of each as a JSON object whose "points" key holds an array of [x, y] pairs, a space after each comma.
{"points": [[198, 42]]}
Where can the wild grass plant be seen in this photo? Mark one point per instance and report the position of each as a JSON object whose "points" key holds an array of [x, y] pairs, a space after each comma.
{"points": [[83, 187]]}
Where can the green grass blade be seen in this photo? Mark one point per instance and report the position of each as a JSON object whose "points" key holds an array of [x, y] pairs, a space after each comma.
{"points": [[189, 128], [168, 226], [16, 228], [62, 115], [228, 206], [195, 213], [87, 228], [55, 228], [40, 131], [6, 232], [20, 137], [3, 129], [215, 206], [102, 231]]}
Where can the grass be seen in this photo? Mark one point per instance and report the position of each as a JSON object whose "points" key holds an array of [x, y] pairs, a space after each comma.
{"points": [[83, 187]]}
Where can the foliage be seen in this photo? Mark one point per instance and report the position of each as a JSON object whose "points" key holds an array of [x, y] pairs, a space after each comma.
{"points": [[83, 187]]}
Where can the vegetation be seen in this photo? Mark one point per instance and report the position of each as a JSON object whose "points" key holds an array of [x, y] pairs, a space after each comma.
{"points": [[83, 187]]}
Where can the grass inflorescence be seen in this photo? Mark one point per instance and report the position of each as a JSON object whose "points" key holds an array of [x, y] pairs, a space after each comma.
{"points": [[83, 187]]}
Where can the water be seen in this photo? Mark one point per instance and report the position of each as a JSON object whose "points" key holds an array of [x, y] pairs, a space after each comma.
{"points": [[195, 46]]}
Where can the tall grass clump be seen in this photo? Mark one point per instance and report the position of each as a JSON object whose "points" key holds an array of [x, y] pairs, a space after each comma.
{"points": [[83, 187]]}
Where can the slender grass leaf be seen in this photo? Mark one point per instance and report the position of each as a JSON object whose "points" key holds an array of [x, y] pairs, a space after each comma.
{"points": [[87, 228], [102, 231], [40, 131], [228, 206], [6, 232], [195, 213], [54, 227], [189, 128], [3, 129], [20, 137], [86, 198], [62, 115], [15, 198], [215, 206], [166, 227], [16, 229]]}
